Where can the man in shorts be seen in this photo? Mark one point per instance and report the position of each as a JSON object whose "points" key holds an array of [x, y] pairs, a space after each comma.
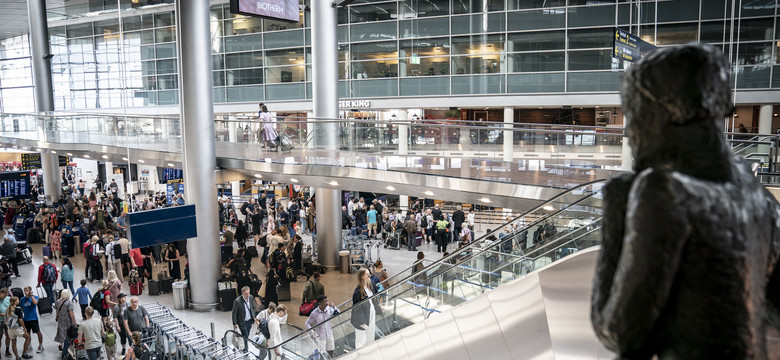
{"points": [[29, 305], [4, 302]]}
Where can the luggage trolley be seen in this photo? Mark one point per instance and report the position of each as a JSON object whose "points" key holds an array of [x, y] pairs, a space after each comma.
{"points": [[357, 258]]}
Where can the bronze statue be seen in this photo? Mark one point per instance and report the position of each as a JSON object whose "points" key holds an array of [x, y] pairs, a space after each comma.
{"points": [[691, 239]]}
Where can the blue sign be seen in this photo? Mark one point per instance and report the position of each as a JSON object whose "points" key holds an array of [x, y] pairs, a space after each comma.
{"points": [[161, 226], [181, 188], [169, 193]]}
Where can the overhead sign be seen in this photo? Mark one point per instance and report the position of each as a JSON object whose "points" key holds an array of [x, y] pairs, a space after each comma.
{"points": [[354, 104], [31, 161], [629, 47], [284, 10], [161, 226], [14, 185]]}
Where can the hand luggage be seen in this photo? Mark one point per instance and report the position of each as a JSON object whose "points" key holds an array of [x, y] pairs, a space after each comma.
{"points": [[226, 298], [154, 287], [283, 291], [32, 235], [162, 275], [418, 238], [223, 284], [18, 292], [167, 285], [44, 303], [285, 143], [46, 251], [136, 288], [252, 251]]}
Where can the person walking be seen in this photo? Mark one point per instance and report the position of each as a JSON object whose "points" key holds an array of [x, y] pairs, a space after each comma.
{"points": [[322, 334], [371, 220], [364, 313], [410, 226], [135, 317], [92, 331], [119, 315], [15, 329], [458, 217], [269, 127], [47, 276], [66, 275], [114, 257], [275, 331], [114, 288], [5, 301], [65, 319], [82, 296], [313, 289], [244, 312], [29, 304]]}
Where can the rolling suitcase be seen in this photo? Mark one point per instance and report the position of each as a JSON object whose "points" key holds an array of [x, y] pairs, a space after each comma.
{"points": [[283, 291], [418, 238], [285, 144], [46, 251], [136, 288], [154, 287], [44, 303], [167, 285], [226, 298], [252, 251]]}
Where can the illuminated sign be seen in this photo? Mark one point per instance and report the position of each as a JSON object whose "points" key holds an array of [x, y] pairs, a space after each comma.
{"points": [[284, 10], [629, 47], [354, 104]]}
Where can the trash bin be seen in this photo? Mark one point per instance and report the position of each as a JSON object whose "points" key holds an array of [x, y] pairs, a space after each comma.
{"points": [[344, 261], [180, 295]]}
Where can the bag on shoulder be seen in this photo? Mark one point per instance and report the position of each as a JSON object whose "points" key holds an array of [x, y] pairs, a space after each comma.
{"points": [[263, 328], [49, 273], [97, 300], [424, 222], [307, 307]]}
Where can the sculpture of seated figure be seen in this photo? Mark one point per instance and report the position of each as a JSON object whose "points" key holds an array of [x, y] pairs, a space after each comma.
{"points": [[687, 268]]}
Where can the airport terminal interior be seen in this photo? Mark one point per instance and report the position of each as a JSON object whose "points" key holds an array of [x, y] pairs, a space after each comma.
{"points": [[456, 149]]}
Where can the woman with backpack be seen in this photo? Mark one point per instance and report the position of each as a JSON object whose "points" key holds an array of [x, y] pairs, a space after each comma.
{"points": [[139, 350], [65, 319]]}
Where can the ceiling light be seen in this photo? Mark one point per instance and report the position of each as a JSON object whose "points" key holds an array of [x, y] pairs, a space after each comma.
{"points": [[294, 180], [258, 176], [428, 192], [333, 182], [390, 188], [541, 107], [25, 148], [69, 154], [141, 161], [53, 152], [124, 158], [105, 156], [485, 200], [38, 150], [171, 164], [16, 147], [86, 156], [597, 106], [548, 208]]}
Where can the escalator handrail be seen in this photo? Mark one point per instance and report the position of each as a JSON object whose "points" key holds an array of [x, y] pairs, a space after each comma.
{"points": [[473, 245]]}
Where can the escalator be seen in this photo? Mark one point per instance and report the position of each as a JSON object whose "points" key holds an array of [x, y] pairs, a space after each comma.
{"points": [[560, 227]]}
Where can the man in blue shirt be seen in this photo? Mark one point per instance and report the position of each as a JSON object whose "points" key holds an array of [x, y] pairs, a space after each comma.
{"points": [[29, 305], [371, 217]]}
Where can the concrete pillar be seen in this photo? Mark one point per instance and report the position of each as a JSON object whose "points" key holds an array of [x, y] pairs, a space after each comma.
{"points": [[196, 104], [235, 189], [231, 128], [403, 201], [325, 97], [403, 133], [626, 159], [402, 63], [44, 96], [764, 128], [509, 123]]}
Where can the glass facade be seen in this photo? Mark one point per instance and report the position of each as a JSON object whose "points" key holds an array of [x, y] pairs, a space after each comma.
{"points": [[400, 48]]}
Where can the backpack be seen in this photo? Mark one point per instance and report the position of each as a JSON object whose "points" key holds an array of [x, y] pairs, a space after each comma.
{"points": [[424, 222], [49, 273], [110, 339], [141, 352], [263, 328], [97, 300], [87, 250], [117, 249]]}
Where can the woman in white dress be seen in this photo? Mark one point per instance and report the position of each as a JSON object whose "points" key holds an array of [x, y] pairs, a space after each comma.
{"points": [[364, 313], [269, 126]]}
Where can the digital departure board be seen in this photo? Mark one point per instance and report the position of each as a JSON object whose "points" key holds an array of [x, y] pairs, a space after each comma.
{"points": [[14, 185], [31, 161]]}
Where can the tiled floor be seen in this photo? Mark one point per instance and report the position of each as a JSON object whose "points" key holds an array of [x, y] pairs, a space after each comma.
{"points": [[338, 287]]}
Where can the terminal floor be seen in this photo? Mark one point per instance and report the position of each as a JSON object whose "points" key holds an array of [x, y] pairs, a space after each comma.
{"points": [[338, 287]]}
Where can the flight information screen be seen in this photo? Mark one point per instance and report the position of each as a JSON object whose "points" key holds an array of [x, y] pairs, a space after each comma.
{"points": [[14, 185]]}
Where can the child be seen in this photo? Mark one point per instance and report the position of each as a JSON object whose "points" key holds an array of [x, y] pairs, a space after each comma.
{"points": [[84, 295], [55, 245], [110, 340]]}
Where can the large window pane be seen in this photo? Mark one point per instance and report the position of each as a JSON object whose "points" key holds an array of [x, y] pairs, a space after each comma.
{"points": [[716, 9], [755, 53], [244, 60], [536, 61], [593, 60], [164, 19], [591, 16], [273, 25], [434, 85], [537, 41], [378, 31], [377, 50], [165, 34], [243, 77], [166, 50], [166, 66], [756, 29], [591, 38], [535, 83], [110, 26], [479, 44], [243, 42], [594, 81], [425, 47], [476, 6], [471, 24], [533, 4], [753, 77], [537, 19], [428, 66], [476, 64], [757, 8], [279, 39], [245, 94], [478, 84], [78, 30], [424, 27], [374, 69], [167, 97], [219, 78], [285, 74], [714, 31], [424, 8], [373, 12], [776, 77], [374, 88], [284, 57], [671, 34], [679, 10], [285, 92]]}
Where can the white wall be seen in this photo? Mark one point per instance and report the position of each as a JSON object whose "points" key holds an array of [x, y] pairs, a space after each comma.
{"points": [[86, 170]]}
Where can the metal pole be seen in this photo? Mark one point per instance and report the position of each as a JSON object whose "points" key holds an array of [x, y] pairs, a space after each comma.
{"points": [[198, 149], [44, 95], [325, 100]]}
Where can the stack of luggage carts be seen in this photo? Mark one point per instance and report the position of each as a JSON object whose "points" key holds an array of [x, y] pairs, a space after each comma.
{"points": [[170, 338]]}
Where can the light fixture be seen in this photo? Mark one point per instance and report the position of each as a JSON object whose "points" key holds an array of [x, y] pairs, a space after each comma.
{"points": [[16, 147], [124, 158], [428, 192], [485, 200], [53, 152], [141, 161], [86, 156], [25, 148], [70, 154], [39, 150], [258, 176], [105, 156], [333, 182], [294, 180], [548, 208], [390, 188], [171, 164], [597, 106], [541, 107]]}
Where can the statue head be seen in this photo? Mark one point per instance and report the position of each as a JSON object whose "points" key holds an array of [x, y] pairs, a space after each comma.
{"points": [[676, 97]]}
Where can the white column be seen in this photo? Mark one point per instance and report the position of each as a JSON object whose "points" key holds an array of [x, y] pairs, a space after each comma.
{"points": [[403, 133], [509, 123], [231, 128], [402, 63], [626, 159], [403, 201], [235, 189], [765, 119]]}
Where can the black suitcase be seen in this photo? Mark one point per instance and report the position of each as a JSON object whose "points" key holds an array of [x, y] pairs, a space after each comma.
{"points": [[154, 287], [226, 298], [32, 235], [44, 303], [167, 285], [252, 251], [283, 291], [18, 292]]}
